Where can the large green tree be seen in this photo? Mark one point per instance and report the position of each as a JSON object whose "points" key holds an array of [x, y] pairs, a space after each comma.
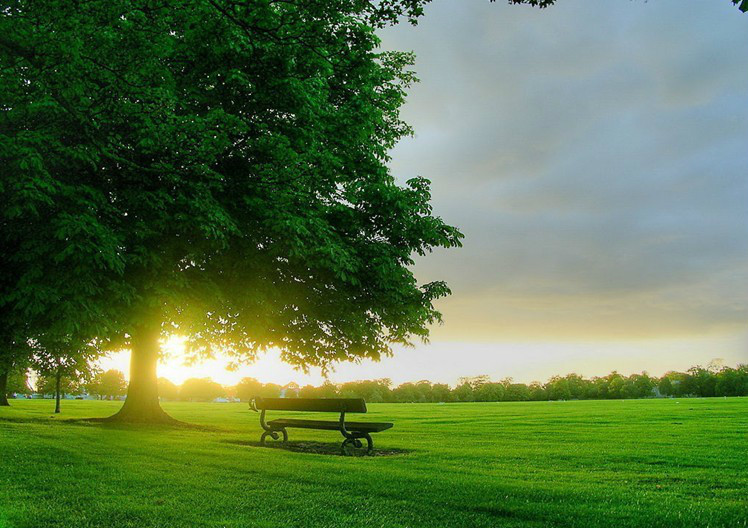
{"points": [[213, 168]]}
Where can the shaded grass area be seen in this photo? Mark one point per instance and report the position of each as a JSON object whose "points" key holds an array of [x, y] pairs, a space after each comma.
{"points": [[669, 463], [317, 448]]}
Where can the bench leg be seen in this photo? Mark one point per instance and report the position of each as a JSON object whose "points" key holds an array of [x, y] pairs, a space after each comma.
{"points": [[352, 445], [274, 434]]}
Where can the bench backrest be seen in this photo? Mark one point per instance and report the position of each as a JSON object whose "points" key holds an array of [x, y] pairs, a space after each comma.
{"points": [[349, 405]]}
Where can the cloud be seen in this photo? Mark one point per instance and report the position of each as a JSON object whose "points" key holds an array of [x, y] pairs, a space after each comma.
{"points": [[594, 155]]}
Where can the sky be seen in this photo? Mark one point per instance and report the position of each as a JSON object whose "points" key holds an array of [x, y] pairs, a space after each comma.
{"points": [[595, 155]]}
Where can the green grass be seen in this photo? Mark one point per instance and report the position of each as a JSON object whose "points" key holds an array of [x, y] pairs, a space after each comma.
{"points": [[648, 463]]}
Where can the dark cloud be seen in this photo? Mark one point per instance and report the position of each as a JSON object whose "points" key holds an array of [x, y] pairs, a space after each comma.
{"points": [[596, 157]]}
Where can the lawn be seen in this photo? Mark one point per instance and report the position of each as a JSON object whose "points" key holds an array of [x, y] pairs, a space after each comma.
{"points": [[648, 463]]}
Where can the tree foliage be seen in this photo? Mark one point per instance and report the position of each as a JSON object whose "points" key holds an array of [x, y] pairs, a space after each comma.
{"points": [[167, 390], [201, 390], [213, 168], [18, 382], [64, 361], [46, 385], [109, 384], [64, 357]]}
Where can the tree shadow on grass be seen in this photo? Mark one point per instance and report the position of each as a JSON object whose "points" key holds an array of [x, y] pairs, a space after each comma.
{"points": [[176, 425], [105, 423], [315, 448], [28, 419]]}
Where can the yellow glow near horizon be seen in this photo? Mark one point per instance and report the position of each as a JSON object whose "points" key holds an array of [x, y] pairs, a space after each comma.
{"points": [[447, 361]]}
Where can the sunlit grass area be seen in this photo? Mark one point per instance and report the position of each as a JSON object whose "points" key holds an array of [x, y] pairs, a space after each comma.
{"points": [[670, 463]]}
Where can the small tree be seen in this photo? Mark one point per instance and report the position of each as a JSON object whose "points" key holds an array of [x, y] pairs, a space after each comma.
{"points": [[248, 388], [63, 360], [440, 392], [537, 391], [489, 392], [270, 390], [464, 392], [516, 392], [110, 384], [665, 386], [201, 390], [703, 381], [18, 382], [406, 393], [167, 390], [47, 384], [328, 390]]}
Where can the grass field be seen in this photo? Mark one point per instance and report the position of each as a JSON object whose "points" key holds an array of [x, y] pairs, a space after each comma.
{"points": [[644, 463]]}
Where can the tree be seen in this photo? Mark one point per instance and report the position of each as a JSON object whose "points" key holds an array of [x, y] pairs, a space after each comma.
{"points": [[678, 384], [516, 392], [47, 384], [167, 390], [643, 385], [248, 388], [14, 348], [558, 388], [537, 391], [9, 378], [18, 382], [407, 393], [270, 390], [464, 392], [329, 390], [200, 389], [219, 170], [703, 381], [489, 392], [64, 361], [8, 365], [377, 390], [440, 393], [742, 4], [665, 386], [110, 384]]}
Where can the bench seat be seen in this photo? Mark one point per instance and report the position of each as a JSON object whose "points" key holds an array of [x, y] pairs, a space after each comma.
{"points": [[326, 425]]}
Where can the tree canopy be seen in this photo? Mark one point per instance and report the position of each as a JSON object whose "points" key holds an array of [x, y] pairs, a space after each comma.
{"points": [[215, 169]]}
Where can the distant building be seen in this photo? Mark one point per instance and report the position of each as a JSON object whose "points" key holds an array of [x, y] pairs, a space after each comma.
{"points": [[291, 390]]}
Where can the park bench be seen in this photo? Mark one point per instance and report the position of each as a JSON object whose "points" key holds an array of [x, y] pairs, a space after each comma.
{"points": [[353, 432]]}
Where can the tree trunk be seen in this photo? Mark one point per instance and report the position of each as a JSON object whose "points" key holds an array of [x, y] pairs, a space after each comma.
{"points": [[58, 380], [3, 389], [141, 404]]}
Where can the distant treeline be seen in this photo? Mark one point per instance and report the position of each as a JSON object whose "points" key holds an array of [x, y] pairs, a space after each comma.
{"points": [[696, 381]]}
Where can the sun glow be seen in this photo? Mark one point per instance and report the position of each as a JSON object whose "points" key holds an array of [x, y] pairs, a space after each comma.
{"points": [[174, 366]]}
